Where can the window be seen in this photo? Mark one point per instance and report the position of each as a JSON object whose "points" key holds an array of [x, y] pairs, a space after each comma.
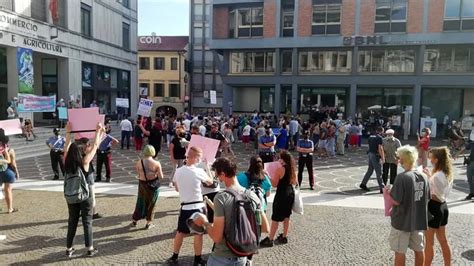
{"points": [[287, 61], [252, 62], [287, 17], [144, 63], [174, 63], [38, 10], [6, 4], [159, 63], [246, 22], [375, 102], [125, 3], [86, 22], [313, 61], [326, 19], [459, 15], [125, 35], [174, 90], [449, 59], [390, 60], [159, 90], [267, 99], [144, 89], [391, 16]]}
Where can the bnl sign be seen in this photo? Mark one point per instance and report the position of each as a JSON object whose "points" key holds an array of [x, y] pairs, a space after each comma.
{"points": [[150, 39], [363, 40]]}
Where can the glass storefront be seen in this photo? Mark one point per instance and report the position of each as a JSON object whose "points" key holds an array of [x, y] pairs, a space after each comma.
{"points": [[267, 100], [436, 102], [285, 99], [311, 98]]}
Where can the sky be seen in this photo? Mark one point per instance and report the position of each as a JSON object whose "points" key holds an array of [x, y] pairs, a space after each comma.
{"points": [[164, 17]]}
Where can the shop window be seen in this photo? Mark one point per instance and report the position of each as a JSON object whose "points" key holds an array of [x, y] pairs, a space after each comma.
{"points": [[267, 99], [390, 60], [246, 22], [6, 4], [459, 15], [313, 61], [144, 63], [449, 59], [125, 36], [287, 61], [436, 102], [285, 99], [252, 62], [86, 75], [312, 98], [38, 10], [125, 80], [174, 90], [391, 16], [86, 21], [326, 19], [159, 90], [174, 63], [159, 63]]}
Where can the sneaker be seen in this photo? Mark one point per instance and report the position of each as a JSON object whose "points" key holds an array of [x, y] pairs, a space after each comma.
{"points": [[200, 262], [266, 242], [108, 180], [96, 216], [70, 252], [150, 226], [469, 197], [172, 261], [248, 263], [92, 253], [311, 188], [282, 240], [381, 190], [364, 187], [133, 224]]}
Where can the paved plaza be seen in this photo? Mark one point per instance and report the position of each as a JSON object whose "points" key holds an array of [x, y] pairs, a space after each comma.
{"points": [[341, 225]]}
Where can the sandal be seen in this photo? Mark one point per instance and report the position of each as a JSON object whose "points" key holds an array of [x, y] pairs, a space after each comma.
{"points": [[13, 210]]}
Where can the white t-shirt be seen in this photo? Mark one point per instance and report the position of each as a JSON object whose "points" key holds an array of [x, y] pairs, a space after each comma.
{"points": [[439, 186], [126, 125], [202, 130], [246, 130], [187, 125], [189, 180]]}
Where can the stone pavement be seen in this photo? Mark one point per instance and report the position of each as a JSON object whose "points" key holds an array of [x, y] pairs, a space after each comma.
{"points": [[341, 225]]}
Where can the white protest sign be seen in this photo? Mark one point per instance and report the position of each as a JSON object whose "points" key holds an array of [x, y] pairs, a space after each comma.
{"points": [[144, 107], [213, 97], [121, 102]]}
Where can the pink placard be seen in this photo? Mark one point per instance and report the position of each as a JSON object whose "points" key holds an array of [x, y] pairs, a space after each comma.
{"points": [[11, 126], [84, 119], [388, 203], [209, 146], [272, 168]]}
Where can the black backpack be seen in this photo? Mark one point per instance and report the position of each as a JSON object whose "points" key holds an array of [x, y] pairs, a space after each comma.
{"points": [[242, 237], [76, 189]]}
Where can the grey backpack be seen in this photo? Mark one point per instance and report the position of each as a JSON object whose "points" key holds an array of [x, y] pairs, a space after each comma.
{"points": [[76, 189]]}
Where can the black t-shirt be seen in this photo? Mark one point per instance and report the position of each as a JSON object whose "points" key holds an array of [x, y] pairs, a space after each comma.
{"points": [[374, 142], [218, 135], [179, 151]]}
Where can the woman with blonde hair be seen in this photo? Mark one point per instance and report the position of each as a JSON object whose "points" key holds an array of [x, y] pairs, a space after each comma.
{"points": [[284, 181], [441, 181], [149, 173]]}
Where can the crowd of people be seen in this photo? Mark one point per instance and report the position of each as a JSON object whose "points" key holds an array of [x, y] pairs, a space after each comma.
{"points": [[418, 194]]}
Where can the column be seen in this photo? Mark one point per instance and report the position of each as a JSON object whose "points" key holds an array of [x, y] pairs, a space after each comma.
{"points": [[277, 62], [352, 101], [12, 73], [295, 18], [277, 100], [278, 19], [228, 99], [415, 117], [294, 98], [420, 60]]}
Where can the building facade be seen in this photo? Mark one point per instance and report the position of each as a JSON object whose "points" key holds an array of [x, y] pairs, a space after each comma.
{"points": [[162, 72], [83, 49], [403, 59]]}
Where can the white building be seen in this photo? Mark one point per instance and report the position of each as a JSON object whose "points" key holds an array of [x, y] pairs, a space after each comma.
{"points": [[81, 49]]}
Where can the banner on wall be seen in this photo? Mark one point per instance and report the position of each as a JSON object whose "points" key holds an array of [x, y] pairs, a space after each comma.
{"points": [[36, 104], [24, 64]]}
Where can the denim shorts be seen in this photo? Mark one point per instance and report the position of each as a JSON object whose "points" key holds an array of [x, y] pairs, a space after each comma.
{"points": [[7, 176]]}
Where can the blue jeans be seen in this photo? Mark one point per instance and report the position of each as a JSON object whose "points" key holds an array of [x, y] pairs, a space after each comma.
{"points": [[470, 177], [374, 164], [218, 261]]}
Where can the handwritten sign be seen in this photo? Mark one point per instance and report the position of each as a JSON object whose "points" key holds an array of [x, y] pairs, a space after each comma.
{"points": [[84, 121], [121, 102], [144, 107], [11, 126], [209, 146]]}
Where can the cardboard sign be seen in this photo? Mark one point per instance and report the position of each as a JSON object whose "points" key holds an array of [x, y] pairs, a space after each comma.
{"points": [[121, 102], [144, 107], [272, 169], [62, 113], [84, 121], [209, 146], [11, 127]]}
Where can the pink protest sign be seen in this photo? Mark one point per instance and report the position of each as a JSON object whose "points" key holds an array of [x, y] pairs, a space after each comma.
{"points": [[209, 146], [11, 126], [83, 122], [387, 199], [272, 168]]}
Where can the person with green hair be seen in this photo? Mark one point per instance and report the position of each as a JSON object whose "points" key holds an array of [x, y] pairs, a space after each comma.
{"points": [[149, 173]]}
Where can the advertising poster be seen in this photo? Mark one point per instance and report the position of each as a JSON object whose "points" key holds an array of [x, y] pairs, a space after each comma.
{"points": [[25, 70], [36, 104], [86, 75]]}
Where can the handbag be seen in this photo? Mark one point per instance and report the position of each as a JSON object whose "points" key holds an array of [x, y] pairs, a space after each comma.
{"points": [[153, 184], [298, 203]]}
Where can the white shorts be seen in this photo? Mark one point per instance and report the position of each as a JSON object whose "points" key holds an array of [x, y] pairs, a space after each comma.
{"points": [[400, 241]]}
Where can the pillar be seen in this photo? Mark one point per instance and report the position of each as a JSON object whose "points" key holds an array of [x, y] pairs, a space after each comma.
{"points": [[276, 105], [12, 73], [294, 99], [228, 99], [415, 117], [352, 101]]}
